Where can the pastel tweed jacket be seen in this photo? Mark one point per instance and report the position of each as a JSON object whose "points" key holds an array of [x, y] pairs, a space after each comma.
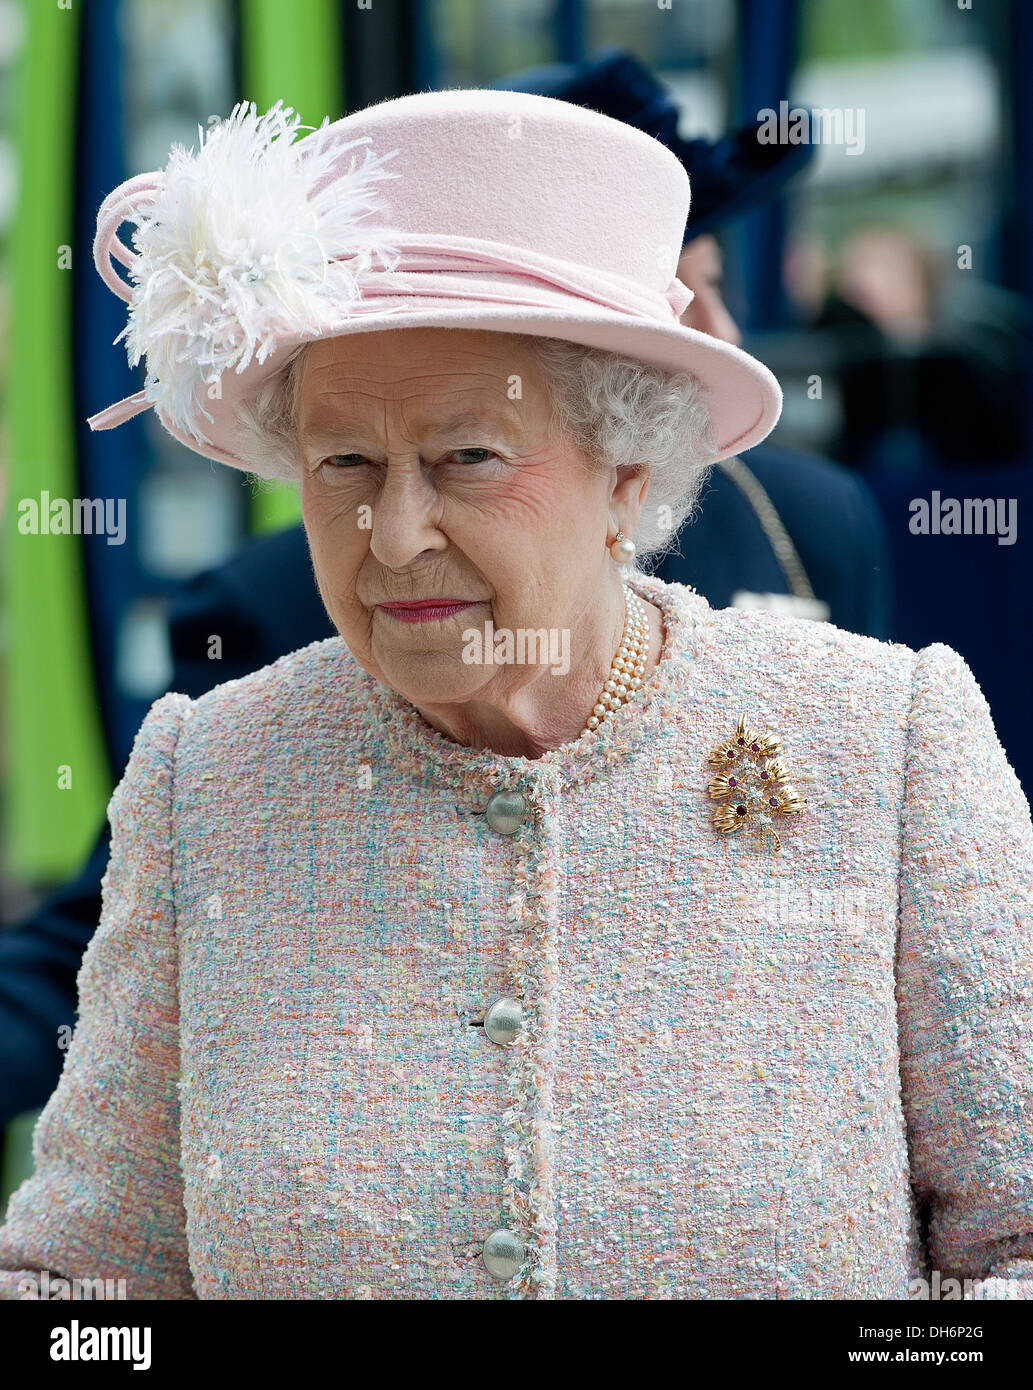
{"points": [[739, 1073]]}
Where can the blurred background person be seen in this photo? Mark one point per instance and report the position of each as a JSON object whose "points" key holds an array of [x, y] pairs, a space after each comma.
{"points": [[928, 378]]}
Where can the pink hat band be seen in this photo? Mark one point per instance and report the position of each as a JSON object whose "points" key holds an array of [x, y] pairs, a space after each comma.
{"points": [[429, 259], [458, 267]]}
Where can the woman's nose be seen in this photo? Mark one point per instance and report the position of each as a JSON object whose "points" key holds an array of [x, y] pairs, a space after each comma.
{"points": [[404, 512]]}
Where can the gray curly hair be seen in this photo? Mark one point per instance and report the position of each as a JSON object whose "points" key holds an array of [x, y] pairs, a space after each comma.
{"points": [[619, 412]]}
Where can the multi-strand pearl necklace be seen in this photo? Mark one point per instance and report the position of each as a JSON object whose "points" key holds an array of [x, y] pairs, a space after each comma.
{"points": [[629, 665]]}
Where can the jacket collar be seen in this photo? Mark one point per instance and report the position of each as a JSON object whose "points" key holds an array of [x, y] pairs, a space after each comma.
{"points": [[417, 750]]}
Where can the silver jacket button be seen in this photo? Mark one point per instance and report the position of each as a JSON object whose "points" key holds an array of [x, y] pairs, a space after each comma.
{"points": [[503, 1021], [505, 812], [503, 1254]]}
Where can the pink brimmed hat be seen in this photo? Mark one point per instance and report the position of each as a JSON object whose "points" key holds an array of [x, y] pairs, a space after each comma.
{"points": [[477, 209]]}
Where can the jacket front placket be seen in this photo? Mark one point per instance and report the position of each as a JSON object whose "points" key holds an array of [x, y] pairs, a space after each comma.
{"points": [[528, 1122]]}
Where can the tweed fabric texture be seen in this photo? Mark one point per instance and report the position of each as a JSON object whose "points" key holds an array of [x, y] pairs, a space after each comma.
{"points": [[742, 1074]]}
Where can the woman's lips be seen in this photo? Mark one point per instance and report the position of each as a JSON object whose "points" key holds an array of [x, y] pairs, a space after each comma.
{"points": [[427, 610]]}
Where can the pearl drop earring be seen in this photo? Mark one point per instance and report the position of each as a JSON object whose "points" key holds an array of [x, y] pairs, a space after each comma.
{"points": [[622, 550]]}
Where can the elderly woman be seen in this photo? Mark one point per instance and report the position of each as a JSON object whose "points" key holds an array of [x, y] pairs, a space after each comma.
{"points": [[547, 934]]}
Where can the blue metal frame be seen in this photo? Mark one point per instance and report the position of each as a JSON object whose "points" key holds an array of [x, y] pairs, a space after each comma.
{"points": [[769, 33], [112, 463], [569, 21], [1017, 260], [427, 64]]}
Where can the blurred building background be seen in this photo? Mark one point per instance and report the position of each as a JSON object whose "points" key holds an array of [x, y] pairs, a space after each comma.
{"points": [[889, 293]]}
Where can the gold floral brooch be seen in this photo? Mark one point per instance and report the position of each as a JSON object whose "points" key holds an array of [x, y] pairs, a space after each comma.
{"points": [[754, 786]]}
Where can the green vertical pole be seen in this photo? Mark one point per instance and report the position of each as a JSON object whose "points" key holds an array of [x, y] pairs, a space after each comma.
{"points": [[58, 775], [290, 52]]}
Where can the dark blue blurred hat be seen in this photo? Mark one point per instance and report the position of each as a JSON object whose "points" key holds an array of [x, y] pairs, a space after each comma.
{"points": [[728, 177]]}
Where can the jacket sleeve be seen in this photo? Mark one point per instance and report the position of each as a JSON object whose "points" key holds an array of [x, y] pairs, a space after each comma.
{"points": [[965, 984], [105, 1200]]}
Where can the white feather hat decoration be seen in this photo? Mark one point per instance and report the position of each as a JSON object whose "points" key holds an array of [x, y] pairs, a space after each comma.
{"points": [[249, 238]]}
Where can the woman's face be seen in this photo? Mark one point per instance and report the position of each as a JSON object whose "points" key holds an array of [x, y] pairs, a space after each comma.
{"points": [[430, 471]]}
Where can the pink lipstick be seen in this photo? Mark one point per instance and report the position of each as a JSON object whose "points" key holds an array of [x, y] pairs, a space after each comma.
{"points": [[426, 610]]}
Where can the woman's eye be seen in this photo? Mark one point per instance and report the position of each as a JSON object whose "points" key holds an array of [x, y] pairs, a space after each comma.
{"points": [[464, 455], [340, 463], [345, 460]]}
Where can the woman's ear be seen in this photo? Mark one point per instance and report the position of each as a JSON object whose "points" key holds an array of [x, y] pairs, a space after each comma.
{"points": [[628, 496]]}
